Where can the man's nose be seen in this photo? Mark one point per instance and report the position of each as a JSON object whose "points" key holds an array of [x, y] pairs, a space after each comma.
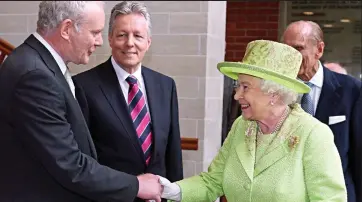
{"points": [[99, 40], [130, 40]]}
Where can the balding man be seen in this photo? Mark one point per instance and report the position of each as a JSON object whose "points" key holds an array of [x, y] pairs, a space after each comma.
{"points": [[335, 99], [336, 67]]}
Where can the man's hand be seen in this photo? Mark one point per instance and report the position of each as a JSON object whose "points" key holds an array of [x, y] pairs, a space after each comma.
{"points": [[149, 187]]}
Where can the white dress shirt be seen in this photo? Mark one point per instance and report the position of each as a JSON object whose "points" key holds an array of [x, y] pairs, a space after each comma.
{"points": [[122, 76], [315, 92], [317, 81], [59, 61]]}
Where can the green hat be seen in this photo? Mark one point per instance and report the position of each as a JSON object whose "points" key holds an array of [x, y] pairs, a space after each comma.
{"points": [[268, 60]]}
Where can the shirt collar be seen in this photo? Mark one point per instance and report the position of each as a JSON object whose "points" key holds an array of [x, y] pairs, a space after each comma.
{"points": [[54, 53], [122, 74], [317, 79]]}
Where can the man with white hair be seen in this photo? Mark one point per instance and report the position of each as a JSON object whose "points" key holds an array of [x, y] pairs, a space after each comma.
{"points": [[46, 150], [335, 99], [336, 67]]}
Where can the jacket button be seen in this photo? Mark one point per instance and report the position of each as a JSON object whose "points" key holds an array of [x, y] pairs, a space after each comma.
{"points": [[246, 187]]}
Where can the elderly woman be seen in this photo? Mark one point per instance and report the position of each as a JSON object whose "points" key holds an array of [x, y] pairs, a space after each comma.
{"points": [[275, 151]]}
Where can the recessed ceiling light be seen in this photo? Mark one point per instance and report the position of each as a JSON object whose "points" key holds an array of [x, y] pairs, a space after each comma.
{"points": [[308, 13], [327, 25], [345, 20]]}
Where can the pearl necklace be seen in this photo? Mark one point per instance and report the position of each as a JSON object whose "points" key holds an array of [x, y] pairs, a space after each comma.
{"points": [[280, 122]]}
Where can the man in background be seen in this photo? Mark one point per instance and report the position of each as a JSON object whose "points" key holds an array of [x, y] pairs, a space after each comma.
{"points": [[335, 99], [336, 67], [131, 110], [46, 150]]}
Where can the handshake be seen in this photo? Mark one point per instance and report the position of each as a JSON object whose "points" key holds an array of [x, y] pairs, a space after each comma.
{"points": [[154, 187]]}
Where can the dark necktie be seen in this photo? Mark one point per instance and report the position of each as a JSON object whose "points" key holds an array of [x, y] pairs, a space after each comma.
{"points": [[140, 116]]}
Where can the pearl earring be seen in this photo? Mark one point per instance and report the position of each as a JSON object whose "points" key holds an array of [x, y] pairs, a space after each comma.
{"points": [[271, 103]]}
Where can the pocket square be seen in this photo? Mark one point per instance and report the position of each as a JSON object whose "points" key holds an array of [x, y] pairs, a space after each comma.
{"points": [[336, 119]]}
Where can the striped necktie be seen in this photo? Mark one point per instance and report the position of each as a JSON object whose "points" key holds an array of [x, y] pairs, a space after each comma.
{"points": [[307, 101], [140, 116]]}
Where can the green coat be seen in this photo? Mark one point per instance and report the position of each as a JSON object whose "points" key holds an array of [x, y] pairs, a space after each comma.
{"points": [[309, 171]]}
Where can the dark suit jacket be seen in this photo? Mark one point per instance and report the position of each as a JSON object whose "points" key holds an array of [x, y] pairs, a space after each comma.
{"points": [[46, 150], [341, 95], [104, 107]]}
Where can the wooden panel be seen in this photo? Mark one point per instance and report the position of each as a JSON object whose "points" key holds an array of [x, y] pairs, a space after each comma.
{"points": [[189, 143]]}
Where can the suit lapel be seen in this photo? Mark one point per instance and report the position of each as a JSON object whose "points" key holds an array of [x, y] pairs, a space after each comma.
{"points": [[246, 149], [329, 96], [272, 157], [50, 63], [111, 89], [53, 66], [154, 93], [44, 54]]}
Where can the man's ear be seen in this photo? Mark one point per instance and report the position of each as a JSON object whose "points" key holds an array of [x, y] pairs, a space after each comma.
{"points": [[320, 49], [149, 40], [66, 27], [110, 35]]}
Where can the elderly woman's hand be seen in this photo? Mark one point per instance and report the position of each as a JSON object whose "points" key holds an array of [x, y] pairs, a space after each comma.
{"points": [[171, 191]]}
